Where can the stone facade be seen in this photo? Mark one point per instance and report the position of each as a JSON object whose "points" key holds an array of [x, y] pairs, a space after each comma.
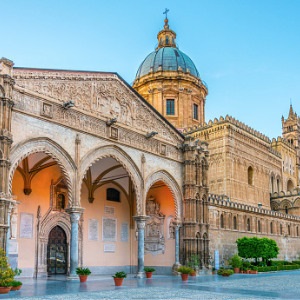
{"points": [[95, 173]]}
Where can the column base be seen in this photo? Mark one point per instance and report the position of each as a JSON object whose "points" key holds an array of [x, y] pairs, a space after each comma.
{"points": [[140, 275], [72, 277]]}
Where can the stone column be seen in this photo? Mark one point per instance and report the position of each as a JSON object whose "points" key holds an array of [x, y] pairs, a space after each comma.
{"points": [[74, 247], [177, 226], [141, 222]]}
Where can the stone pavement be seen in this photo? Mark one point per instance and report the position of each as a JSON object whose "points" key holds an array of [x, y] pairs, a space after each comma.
{"points": [[273, 285]]}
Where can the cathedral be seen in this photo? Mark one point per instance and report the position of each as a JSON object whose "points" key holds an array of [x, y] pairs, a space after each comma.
{"points": [[98, 173]]}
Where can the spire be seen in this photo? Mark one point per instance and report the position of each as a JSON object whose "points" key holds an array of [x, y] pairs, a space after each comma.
{"points": [[292, 115], [166, 37]]}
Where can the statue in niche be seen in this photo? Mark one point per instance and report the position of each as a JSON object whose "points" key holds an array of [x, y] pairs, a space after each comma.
{"points": [[13, 223], [154, 231]]}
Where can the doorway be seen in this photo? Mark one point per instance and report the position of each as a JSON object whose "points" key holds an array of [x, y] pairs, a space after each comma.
{"points": [[57, 252]]}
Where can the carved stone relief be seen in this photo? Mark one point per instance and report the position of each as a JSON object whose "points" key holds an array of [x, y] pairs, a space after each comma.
{"points": [[98, 94], [154, 230]]}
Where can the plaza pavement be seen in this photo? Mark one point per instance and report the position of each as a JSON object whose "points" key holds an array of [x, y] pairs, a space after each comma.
{"points": [[273, 285]]}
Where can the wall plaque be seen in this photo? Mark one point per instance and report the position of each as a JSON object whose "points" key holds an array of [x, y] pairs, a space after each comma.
{"points": [[124, 232], [93, 230], [26, 226], [109, 248], [109, 210], [109, 229]]}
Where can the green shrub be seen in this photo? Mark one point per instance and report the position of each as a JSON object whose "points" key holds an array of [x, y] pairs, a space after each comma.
{"points": [[83, 271], [235, 261], [225, 272], [184, 270], [149, 269], [121, 274]]}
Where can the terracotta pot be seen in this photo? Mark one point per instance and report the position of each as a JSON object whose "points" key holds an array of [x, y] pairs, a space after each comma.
{"points": [[248, 271], [118, 281], [236, 270], [193, 273], [4, 289], [148, 274], [253, 272], [225, 275], [83, 278], [184, 277], [16, 288]]}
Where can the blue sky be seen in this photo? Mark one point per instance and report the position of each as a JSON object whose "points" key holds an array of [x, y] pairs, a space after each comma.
{"points": [[247, 51]]}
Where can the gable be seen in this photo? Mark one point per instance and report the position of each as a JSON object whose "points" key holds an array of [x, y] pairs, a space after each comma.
{"points": [[102, 95]]}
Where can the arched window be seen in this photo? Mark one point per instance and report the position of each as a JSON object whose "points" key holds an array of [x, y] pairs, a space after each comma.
{"points": [[271, 227], [281, 229], [250, 175], [234, 223], [290, 185], [297, 231], [289, 230], [286, 209], [222, 221], [258, 226], [248, 225], [278, 185]]}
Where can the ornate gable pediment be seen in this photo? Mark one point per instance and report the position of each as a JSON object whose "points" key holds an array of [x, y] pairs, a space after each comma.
{"points": [[102, 95]]}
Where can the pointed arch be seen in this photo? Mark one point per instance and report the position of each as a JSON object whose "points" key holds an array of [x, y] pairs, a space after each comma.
{"points": [[175, 190], [122, 158], [51, 148]]}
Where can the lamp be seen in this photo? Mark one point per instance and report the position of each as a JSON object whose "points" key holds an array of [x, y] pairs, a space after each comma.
{"points": [[111, 121], [151, 134], [68, 104]]}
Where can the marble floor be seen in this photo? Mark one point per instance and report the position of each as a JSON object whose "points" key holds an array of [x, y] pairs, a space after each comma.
{"points": [[273, 285]]}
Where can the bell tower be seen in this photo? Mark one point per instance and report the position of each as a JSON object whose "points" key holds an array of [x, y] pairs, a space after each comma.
{"points": [[6, 104]]}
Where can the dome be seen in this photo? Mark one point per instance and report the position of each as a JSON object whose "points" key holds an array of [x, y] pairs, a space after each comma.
{"points": [[167, 57]]}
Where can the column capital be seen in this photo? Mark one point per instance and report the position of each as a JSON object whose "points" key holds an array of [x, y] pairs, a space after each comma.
{"points": [[75, 213], [177, 223], [141, 221]]}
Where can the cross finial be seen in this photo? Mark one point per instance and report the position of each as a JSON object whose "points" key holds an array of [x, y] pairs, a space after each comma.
{"points": [[166, 12]]}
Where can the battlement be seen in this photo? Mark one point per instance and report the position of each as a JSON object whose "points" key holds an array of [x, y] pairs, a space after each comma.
{"points": [[232, 121], [224, 201]]}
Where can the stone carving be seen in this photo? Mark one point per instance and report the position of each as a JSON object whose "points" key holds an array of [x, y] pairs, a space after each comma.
{"points": [[154, 231], [13, 222], [99, 94]]}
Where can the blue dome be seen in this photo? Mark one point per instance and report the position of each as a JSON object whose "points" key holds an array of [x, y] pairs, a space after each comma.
{"points": [[167, 59]]}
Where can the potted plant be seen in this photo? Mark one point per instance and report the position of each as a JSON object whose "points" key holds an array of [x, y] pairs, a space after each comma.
{"points": [[254, 269], [119, 277], [185, 271], [225, 272], [236, 262], [193, 263], [149, 271], [83, 273], [6, 273], [15, 285], [246, 267]]}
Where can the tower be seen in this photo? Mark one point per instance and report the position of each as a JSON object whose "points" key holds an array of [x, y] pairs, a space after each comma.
{"points": [[6, 104], [170, 82], [291, 128]]}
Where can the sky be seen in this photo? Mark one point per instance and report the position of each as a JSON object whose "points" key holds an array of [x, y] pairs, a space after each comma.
{"points": [[246, 51]]}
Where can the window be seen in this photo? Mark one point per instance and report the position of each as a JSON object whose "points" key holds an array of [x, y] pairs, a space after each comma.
{"points": [[281, 229], [250, 176], [195, 112], [271, 227], [248, 225], [222, 221], [286, 209], [297, 231], [234, 223], [170, 107], [258, 226], [112, 195], [289, 230]]}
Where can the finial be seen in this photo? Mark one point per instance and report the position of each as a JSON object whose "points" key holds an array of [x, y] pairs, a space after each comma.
{"points": [[166, 26], [166, 12]]}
